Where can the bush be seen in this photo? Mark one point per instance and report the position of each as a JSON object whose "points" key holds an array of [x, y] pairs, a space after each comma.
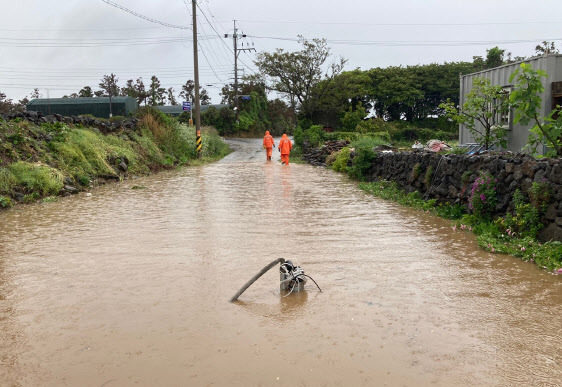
{"points": [[314, 135], [367, 142], [37, 178], [483, 197], [342, 159], [362, 162], [525, 221], [298, 136], [7, 181], [5, 202], [117, 119]]}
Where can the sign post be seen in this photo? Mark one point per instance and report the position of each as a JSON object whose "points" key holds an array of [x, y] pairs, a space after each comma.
{"points": [[186, 105]]}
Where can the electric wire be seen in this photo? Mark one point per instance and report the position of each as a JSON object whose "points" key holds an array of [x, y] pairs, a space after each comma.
{"points": [[113, 4]]}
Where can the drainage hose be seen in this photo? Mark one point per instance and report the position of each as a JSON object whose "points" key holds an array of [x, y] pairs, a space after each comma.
{"points": [[255, 278]]}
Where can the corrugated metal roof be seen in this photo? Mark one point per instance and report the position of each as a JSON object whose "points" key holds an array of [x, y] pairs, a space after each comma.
{"points": [[535, 58], [73, 101]]}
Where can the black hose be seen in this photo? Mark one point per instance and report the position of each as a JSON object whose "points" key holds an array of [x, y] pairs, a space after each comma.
{"points": [[313, 281], [255, 278]]}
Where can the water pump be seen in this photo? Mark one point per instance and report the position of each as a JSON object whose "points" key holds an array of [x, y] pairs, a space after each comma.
{"points": [[292, 278]]}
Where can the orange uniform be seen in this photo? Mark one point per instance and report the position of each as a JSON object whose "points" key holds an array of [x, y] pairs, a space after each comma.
{"points": [[268, 144], [285, 146]]}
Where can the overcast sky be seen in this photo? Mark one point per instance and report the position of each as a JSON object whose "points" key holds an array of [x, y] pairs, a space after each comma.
{"points": [[63, 45]]}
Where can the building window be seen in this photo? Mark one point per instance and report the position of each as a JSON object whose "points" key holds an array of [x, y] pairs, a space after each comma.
{"points": [[503, 118]]}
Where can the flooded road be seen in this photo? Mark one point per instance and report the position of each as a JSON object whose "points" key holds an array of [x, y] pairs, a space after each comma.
{"points": [[130, 287]]}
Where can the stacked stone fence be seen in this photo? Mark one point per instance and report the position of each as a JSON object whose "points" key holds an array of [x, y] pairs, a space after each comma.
{"points": [[453, 176], [103, 125]]}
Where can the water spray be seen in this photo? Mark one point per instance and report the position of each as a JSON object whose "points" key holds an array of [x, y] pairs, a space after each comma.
{"points": [[291, 276]]}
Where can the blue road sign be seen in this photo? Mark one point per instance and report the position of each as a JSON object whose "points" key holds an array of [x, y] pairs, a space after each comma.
{"points": [[246, 97], [187, 106]]}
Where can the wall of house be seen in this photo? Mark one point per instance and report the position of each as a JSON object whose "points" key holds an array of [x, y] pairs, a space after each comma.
{"points": [[517, 134]]}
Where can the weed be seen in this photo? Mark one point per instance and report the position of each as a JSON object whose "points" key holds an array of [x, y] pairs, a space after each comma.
{"points": [[5, 202], [342, 159], [428, 176], [37, 178], [416, 171]]}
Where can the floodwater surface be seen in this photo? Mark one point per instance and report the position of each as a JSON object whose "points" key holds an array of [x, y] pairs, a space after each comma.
{"points": [[131, 287]]}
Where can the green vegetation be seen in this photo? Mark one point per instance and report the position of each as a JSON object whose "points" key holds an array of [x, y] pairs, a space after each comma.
{"points": [[526, 99], [35, 160], [341, 161], [482, 112], [514, 234]]}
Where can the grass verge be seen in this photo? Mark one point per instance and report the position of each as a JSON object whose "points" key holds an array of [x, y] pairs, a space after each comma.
{"points": [[491, 234]]}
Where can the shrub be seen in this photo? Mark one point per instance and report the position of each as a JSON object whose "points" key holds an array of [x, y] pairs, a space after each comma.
{"points": [[298, 136], [314, 135], [117, 119], [362, 162], [525, 221], [342, 159], [367, 142], [540, 196], [7, 181], [37, 178], [483, 197], [5, 202]]}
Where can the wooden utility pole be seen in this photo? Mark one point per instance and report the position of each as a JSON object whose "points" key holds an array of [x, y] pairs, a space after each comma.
{"points": [[198, 143]]}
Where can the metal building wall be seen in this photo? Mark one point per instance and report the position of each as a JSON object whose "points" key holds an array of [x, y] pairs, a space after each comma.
{"points": [[518, 134]]}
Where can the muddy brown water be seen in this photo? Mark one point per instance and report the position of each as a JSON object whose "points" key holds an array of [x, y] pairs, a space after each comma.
{"points": [[130, 287]]}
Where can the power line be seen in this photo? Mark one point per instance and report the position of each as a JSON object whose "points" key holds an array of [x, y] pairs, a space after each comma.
{"points": [[308, 22], [419, 43], [113, 4]]}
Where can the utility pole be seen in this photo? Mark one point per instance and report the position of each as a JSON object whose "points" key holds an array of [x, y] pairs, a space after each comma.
{"points": [[235, 37], [198, 144]]}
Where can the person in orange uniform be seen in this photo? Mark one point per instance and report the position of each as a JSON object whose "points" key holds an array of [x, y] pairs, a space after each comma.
{"points": [[268, 144], [285, 146]]}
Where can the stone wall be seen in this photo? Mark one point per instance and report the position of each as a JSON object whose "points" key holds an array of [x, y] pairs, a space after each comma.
{"points": [[104, 126], [453, 176]]}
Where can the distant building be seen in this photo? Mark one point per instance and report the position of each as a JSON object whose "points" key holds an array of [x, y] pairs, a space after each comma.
{"points": [[176, 110], [96, 106], [518, 134]]}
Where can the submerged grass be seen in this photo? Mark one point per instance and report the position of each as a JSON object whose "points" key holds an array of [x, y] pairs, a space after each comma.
{"points": [[490, 235]]}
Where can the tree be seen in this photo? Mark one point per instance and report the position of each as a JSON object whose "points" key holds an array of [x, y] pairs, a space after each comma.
{"points": [[109, 87], [36, 94], [171, 97], [294, 74], [494, 57], [526, 99], [156, 93], [129, 89], [140, 91], [482, 112], [188, 93], [6, 105], [546, 48], [86, 92], [352, 118]]}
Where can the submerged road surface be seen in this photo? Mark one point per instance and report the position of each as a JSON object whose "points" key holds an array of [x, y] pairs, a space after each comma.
{"points": [[131, 287]]}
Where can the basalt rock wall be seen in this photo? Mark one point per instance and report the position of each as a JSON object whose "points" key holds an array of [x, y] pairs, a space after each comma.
{"points": [[104, 126], [451, 177]]}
